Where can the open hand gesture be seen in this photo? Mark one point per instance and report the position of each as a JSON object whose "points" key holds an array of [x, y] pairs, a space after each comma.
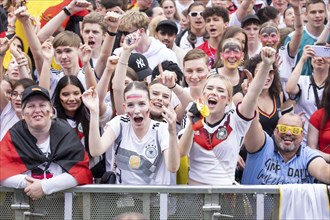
{"points": [[5, 44], [47, 50], [91, 100], [85, 53]]}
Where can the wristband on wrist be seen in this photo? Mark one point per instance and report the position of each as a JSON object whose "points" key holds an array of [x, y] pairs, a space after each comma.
{"points": [[172, 86], [112, 33], [66, 11]]}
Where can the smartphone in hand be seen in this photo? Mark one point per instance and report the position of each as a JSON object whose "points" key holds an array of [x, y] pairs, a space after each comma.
{"points": [[321, 51]]}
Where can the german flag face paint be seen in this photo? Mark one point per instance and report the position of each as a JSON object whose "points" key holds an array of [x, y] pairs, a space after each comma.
{"points": [[269, 36], [232, 55]]}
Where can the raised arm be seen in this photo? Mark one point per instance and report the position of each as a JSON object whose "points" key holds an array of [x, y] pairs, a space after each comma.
{"points": [[186, 140], [22, 62], [4, 46], [255, 138], [249, 102], [85, 54], [299, 28], [320, 169], [244, 9], [168, 78], [172, 154], [48, 53], [118, 81], [51, 26], [103, 84], [112, 20], [292, 87], [97, 145], [24, 17]]}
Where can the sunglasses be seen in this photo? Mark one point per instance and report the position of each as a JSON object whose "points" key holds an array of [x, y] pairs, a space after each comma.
{"points": [[125, 33], [295, 130], [195, 13]]}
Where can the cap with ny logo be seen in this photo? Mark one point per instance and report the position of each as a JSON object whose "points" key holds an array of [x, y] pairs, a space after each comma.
{"points": [[140, 65]]}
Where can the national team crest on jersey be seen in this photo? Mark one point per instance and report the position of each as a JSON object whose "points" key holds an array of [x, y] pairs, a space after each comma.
{"points": [[151, 151]]}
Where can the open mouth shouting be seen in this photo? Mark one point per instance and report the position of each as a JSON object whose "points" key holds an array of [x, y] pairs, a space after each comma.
{"points": [[213, 31], [91, 43], [138, 120], [212, 102]]}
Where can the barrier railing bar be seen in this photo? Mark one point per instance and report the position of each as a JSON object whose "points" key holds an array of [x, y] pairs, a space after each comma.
{"points": [[260, 206], [68, 201]]}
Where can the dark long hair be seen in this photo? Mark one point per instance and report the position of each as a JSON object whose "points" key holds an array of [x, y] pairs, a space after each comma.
{"points": [[81, 115], [275, 88], [325, 102]]}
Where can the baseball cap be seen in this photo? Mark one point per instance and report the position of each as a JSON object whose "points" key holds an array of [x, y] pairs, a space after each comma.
{"points": [[167, 24], [140, 65], [250, 19], [35, 90]]}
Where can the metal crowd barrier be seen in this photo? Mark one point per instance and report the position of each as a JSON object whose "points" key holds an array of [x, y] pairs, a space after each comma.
{"points": [[155, 202]]}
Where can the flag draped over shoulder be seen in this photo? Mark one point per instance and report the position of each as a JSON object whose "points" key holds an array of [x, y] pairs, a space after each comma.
{"points": [[19, 152]]}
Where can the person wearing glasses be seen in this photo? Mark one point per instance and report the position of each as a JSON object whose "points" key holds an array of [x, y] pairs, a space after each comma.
{"points": [[10, 110], [154, 50], [195, 34], [282, 158]]}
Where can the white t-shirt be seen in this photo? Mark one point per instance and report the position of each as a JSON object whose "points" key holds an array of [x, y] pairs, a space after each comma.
{"points": [[217, 166], [134, 149], [306, 102]]}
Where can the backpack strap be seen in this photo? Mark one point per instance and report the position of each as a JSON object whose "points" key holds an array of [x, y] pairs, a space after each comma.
{"points": [[317, 98], [178, 38]]}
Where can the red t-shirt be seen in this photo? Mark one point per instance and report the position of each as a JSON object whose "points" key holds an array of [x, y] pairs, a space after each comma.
{"points": [[324, 133], [211, 52]]}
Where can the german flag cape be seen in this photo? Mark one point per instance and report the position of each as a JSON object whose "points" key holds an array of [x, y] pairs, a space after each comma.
{"points": [[19, 152]]}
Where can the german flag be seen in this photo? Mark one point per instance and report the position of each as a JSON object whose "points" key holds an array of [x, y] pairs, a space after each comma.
{"points": [[19, 152]]}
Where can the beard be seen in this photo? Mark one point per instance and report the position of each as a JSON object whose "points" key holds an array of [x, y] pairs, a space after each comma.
{"points": [[287, 148]]}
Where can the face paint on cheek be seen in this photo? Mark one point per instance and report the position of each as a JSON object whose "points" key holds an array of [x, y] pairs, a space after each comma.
{"points": [[232, 54], [223, 97]]}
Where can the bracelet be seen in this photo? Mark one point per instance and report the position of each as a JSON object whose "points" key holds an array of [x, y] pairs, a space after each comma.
{"points": [[172, 86], [122, 63], [66, 11], [298, 14], [112, 33]]}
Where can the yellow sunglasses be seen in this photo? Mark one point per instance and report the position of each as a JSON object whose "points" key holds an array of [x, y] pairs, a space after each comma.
{"points": [[295, 130]]}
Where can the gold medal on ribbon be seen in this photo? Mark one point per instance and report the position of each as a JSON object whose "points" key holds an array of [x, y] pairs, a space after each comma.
{"points": [[134, 162]]}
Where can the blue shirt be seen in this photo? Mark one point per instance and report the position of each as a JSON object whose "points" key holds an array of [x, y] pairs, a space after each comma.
{"points": [[267, 166]]}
